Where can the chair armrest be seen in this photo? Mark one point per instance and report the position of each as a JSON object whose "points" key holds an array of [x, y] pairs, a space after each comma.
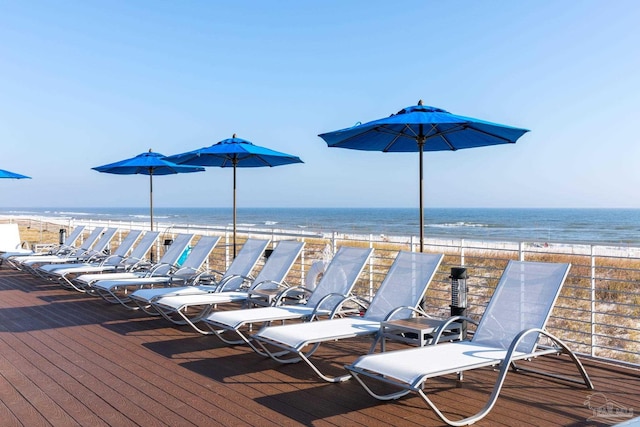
{"points": [[359, 301], [331, 311], [111, 257], [266, 292], [225, 283], [289, 291], [413, 312], [208, 276], [438, 333]]}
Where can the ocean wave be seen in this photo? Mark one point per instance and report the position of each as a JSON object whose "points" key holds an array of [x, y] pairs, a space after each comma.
{"points": [[143, 216], [21, 212], [74, 213], [270, 222], [457, 225]]}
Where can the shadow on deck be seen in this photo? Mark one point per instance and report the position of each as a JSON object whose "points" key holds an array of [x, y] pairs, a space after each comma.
{"points": [[70, 359]]}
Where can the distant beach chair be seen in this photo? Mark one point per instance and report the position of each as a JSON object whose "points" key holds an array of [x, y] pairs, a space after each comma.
{"points": [[239, 272], [30, 263], [97, 252], [335, 285], [54, 271], [119, 290], [508, 331], [119, 261], [189, 309], [398, 297], [143, 267], [112, 264]]}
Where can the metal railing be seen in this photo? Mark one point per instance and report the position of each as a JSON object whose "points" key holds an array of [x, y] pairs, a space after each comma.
{"points": [[597, 313]]}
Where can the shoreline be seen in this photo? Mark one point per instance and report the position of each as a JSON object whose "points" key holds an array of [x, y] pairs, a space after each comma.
{"points": [[569, 248], [604, 227]]}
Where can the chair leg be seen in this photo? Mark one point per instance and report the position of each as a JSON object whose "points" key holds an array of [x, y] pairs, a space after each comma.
{"points": [[563, 349]]}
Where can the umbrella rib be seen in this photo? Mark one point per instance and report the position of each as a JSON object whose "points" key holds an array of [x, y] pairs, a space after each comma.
{"points": [[397, 135], [392, 142], [442, 134], [508, 140]]}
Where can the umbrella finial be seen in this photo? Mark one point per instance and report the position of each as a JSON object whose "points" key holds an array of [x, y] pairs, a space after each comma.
{"points": [[150, 150], [420, 102], [234, 136]]}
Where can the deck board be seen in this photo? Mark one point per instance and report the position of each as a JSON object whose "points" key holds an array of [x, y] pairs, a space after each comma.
{"points": [[71, 359]]}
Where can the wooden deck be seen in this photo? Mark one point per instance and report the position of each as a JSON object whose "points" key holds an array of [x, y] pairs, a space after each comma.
{"points": [[68, 359]]}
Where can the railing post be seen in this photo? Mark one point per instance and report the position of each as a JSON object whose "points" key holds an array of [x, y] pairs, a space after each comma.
{"points": [[462, 252], [593, 300], [302, 257], [521, 251], [371, 267], [333, 242], [226, 249]]}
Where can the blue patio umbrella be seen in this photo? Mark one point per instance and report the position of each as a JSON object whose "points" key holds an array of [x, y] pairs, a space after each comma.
{"points": [[148, 163], [235, 153], [422, 128], [12, 175]]}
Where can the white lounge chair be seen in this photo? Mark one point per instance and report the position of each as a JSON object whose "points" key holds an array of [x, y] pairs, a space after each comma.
{"points": [[10, 241], [189, 309], [13, 258], [142, 267], [116, 262], [335, 285], [30, 263], [508, 331], [118, 290], [238, 273], [398, 297], [97, 253], [51, 271]]}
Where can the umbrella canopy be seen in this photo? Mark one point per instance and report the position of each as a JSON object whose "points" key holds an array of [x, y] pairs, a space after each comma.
{"points": [[236, 153], [13, 175], [422, 128], [148, 163]]}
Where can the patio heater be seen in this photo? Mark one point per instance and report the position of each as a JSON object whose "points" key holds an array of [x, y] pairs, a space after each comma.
{"points": [[459, 291], [63, 235]]}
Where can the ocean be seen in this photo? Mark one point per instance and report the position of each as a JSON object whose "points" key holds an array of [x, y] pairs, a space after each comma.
{"points": [[619, 227]]}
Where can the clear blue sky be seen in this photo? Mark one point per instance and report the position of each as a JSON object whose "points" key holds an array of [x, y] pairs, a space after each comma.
{"points": [[84, 83]]}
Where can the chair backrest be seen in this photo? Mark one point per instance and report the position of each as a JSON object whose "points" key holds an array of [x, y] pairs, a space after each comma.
{"points": [[125, 246], [247, 258], [105, 239], [171, 256], [404, 285], [138, 253], [90, 240], [244, 262], [73, 236], [523, 299], [9, 237], [279, 262], [340, 275], [198, 255]]}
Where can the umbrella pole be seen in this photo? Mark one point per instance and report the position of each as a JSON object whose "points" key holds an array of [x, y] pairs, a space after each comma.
{"points": [[151, 203], [421, 139], [151, 197], [235, 162]]}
